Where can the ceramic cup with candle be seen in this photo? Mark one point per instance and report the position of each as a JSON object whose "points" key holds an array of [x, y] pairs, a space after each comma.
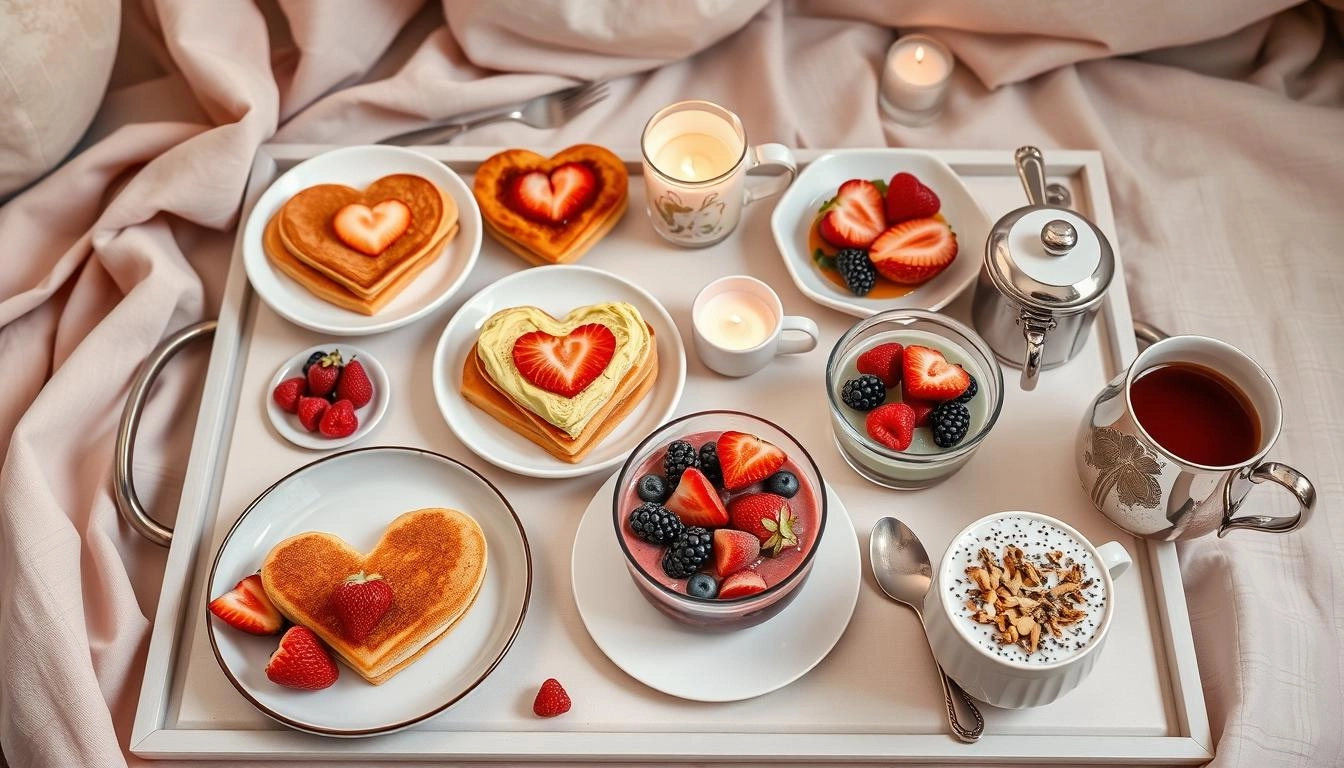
{"points": [[914, 79], [740, 326], [696, 159]]}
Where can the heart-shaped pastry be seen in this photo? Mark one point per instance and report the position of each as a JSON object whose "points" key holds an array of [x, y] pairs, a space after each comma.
{"points": [[551, 210], [371, 230], [433, 560]]}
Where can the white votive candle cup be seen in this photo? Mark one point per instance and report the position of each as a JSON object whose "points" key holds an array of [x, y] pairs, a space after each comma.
{"points": [[739, 326], [915, 77]]}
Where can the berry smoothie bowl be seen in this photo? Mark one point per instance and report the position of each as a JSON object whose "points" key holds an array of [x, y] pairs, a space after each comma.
{"points": [[718, 514]]}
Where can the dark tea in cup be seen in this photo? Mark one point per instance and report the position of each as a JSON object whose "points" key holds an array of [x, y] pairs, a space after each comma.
{"points": [[1197, 414]]}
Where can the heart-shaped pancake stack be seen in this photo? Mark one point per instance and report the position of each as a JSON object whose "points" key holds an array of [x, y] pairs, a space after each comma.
{"points": [[359, 249], [432, 559], [551, 210], [563, 384]]}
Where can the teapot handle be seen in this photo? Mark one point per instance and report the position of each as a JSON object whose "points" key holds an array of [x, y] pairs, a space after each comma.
{"points": [[1034, 329], [1031, 169]]}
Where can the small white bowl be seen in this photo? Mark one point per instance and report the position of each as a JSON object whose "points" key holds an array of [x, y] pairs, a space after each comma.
{"points": [[287, 424], [793, 216]]}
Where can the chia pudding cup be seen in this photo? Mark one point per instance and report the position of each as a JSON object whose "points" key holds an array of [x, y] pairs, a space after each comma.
{"points": [[784, 575]]}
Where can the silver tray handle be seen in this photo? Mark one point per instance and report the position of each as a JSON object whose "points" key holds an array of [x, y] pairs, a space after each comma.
{"points": [[123, 487]]}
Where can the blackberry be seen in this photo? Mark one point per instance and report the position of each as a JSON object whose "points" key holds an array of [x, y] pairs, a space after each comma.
{"points": [[783, 483], [313, 360], [949, 423], [857, 270], [709, 464], [688, 552], [652, 488], [655, 523], [680, 457], [971, 390], [864, 393], [702, 585]]}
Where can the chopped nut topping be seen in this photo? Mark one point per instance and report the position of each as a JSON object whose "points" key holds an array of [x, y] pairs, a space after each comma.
{"points": [[1018, 599]]}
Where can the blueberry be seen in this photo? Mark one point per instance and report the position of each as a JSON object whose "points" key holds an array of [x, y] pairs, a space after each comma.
{"points": [[652, 488], [702, 585], [312, 360], [784, 483]]}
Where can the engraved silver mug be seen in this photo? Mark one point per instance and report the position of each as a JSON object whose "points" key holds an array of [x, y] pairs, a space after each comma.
{"points": [[1151, 492]]}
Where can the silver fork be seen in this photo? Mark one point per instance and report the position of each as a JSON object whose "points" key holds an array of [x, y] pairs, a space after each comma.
{"points": [[550, 110]]}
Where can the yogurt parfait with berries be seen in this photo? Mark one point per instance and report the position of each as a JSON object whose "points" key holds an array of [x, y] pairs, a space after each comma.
{"points": [[718, 514], [912, 395]]}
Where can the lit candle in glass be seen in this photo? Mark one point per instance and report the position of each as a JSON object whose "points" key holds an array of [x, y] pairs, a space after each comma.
{"points": [[736, 320], [914, 79]]}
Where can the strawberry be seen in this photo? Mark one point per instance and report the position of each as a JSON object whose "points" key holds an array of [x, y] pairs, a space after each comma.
{"points": [[302, 662], [246, 607], [354, 384], [884, 362], [769, 518], [371, 230], [892, 425], [914, 252], [565, 365], [922, 409], [854, 217], [323, 374], [311, 410], [339, 420], [552, 198], [741, 584], [551, 699], [746, 459], [734, 550], [928, 376], [696, 502], [908, 198], [360, 602], [288, 392]]}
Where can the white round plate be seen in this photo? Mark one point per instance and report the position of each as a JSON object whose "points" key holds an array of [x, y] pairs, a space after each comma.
{"points": [[355, 495], [358, 167], [557, 290], [818, 182], [287, 424], [656, 650]]}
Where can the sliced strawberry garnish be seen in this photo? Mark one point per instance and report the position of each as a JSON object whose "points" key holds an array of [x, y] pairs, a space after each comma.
{"points": [[741, 584], [246, 607], [892, 425], [565, 365], [769, 518], [553, 198], [883, 361], [302, 662], [746, 459], [928, 376], [696, 502], [922, 409], [914, 252], [854, 217], [734, 550], [908, 198], [371, 230]]}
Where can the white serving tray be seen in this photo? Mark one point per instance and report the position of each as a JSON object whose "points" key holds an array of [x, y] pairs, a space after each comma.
{"points": [[875, 698]]}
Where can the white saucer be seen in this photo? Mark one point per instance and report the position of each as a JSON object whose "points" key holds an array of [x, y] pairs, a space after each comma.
{"points": [[656, 650], [557, 290], [355, 495], [358, 167], [818, 182], [287, 424]]}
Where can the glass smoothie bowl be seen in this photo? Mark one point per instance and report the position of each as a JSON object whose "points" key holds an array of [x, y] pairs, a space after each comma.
{"points": [[912, 395], [719, 514]]}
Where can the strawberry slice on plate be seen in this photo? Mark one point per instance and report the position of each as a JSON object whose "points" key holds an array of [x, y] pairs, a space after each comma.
{"points": [[746, 459], [565, 365], [928, 376], [854, 217], [914, 252], [247, 607], [372, 230], [696, 502], [908, 198], [301, 662], [555, 197]]}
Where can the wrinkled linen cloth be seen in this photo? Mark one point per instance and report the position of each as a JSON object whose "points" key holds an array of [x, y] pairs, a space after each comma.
{"points": [[1223, 136]]}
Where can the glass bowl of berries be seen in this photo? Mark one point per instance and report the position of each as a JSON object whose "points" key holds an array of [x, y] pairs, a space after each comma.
{"points": [[719, 514], [912, 395]]}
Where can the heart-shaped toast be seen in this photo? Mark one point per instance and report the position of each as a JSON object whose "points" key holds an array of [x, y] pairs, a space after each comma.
{"points": [[433, 560], [551, 210]]}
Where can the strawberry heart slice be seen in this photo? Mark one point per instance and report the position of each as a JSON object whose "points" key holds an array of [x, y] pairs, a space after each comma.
{"points": [[371, 230], [892, 425], [564, 365], [556, 197]]}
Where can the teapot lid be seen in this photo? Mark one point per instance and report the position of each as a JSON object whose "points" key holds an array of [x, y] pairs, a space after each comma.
{"points": [[1049, 259]]}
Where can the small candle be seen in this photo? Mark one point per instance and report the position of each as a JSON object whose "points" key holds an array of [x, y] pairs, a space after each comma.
{"points": [[914, 79], [695, 156], [735, 320]]}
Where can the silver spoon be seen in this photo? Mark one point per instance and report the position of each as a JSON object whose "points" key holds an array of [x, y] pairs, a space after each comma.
{"points": [[901, 567]]}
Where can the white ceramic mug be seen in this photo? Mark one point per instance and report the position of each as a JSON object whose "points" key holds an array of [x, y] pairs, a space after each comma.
{"points": [[1003, 676], [739, 326], [696, 159]]}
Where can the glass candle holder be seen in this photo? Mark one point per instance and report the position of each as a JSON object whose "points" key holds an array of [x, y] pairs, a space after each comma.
{"points": [[914, 79]]}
